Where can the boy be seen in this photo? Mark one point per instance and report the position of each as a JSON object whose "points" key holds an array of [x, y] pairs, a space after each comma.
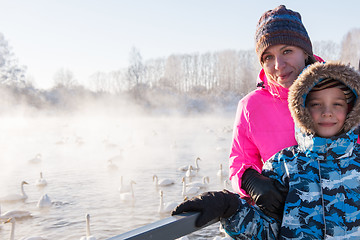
{"points": [[322, 172]]}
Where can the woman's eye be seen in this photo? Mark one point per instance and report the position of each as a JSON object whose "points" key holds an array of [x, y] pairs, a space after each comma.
{"points": [[287, 51], [267, 58]]}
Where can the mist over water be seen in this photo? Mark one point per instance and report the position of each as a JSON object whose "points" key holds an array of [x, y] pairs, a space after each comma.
{"points": [[75, 149]]}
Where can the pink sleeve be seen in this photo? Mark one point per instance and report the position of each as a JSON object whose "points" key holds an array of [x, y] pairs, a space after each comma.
{"points": [[244, 153]]}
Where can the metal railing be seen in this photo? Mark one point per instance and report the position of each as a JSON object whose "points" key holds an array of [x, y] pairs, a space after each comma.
{"points": [[168, 228]]}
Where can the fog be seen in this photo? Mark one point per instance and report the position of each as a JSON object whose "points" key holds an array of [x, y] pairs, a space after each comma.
{"points": [[74, 149]]}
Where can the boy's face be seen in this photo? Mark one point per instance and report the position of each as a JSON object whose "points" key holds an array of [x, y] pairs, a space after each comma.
{"points": [[328, 110]]}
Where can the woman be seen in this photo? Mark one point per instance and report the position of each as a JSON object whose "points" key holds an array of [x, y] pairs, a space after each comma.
{"points": [[263, 124]]}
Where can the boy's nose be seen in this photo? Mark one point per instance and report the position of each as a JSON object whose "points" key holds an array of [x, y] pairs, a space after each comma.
{"points": [[327, 112]]}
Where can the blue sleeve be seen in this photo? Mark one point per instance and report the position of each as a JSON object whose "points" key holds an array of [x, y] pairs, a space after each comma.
{"points": [[276, 167], [249, 222]]}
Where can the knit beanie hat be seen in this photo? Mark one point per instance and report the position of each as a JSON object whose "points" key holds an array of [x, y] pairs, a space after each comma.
{"points": [[333, 83], [281, 26]]}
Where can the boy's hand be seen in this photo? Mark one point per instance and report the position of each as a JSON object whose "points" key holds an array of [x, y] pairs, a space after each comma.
{"points": [[268, 194], [211, 205]]}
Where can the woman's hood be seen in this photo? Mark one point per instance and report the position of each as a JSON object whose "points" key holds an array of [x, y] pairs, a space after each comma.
{"points": [[309, 78]]}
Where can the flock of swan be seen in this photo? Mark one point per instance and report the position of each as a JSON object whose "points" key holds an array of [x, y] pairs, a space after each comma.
{"points": [[189, 187], [126, 192], [12, 216]]}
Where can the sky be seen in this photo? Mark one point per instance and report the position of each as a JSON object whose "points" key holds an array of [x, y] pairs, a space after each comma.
{"points": [[87, 36]]}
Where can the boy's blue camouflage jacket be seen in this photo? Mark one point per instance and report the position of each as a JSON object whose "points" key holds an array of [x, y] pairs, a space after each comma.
{"points": [[322, 174]]}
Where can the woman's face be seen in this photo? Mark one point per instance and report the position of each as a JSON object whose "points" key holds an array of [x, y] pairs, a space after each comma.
{"points": [[283, 63]]}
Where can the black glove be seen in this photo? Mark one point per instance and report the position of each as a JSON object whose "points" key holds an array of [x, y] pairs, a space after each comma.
{"points": [[268, 194], [211, 205]]}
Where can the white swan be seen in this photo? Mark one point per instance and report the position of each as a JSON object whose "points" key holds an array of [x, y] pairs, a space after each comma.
{"points": [[123, 188], [220, 172], [189, 191], [41, 182], [163, 182], [44, 201], [37, 159], [88, 235], [197, 167], [166, 207], [203, 184], [17, 214], [112, 166], [12, 233], [186, 167], [190, 173], [128, 196], [15, 197]]}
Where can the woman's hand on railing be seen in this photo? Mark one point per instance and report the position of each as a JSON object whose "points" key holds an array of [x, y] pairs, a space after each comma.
{"points": [[211, 205]]}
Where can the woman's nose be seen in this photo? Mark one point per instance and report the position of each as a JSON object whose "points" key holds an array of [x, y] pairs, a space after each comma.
{"points": [[279, 62]]}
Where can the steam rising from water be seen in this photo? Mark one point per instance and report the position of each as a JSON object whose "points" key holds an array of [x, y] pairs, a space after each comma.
{"points": [[75, 149]]}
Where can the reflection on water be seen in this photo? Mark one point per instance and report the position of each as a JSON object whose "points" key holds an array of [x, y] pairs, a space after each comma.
{"points": [[73, 156]]}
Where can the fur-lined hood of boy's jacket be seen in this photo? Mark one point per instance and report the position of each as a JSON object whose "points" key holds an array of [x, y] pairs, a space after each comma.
{"points": [[311, 76]]}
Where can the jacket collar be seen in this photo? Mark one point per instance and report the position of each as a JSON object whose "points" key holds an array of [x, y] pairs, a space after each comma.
{"points": [[343, 143], [273, 88]]}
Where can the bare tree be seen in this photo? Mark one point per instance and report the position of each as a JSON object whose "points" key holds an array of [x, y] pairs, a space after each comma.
{"points": [[327, 50], [11, 73], [350, 47], [174, 72], [65, 78], [135, 69], [99, 82]]}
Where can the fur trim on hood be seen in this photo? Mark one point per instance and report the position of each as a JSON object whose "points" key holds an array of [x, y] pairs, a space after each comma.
{"points": [[309, 78]]}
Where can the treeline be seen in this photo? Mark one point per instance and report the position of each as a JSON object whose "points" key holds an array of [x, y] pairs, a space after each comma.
{"points": [[187, 82]]}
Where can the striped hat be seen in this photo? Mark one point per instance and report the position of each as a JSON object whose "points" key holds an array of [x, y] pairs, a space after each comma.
{"points": [[281, 26], [330, 83]]}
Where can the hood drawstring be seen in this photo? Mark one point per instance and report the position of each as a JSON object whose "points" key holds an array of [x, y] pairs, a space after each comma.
{"points": [[260, 84]]}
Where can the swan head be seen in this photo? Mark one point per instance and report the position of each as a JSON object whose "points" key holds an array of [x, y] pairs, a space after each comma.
{"points": [[10, 220], [198, 159], [206, 179], [23, 182], [154, 177]]}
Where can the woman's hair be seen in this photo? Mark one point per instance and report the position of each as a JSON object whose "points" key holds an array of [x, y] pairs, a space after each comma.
{"points": [[310, 60]]}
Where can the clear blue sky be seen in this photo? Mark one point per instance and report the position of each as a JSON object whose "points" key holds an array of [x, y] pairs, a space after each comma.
{"points": [[86, 36]]}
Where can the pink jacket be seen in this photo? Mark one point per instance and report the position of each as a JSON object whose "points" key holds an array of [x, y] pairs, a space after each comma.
{"points": [[263, 126]]}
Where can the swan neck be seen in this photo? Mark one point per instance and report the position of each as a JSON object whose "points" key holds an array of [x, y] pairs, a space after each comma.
{"points": [[87, 227], [12, 234], [184, 188], [22, 190]]}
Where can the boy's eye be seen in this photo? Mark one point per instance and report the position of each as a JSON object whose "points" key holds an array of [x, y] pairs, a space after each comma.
{"points": [[314, 104], [339, 104]]}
